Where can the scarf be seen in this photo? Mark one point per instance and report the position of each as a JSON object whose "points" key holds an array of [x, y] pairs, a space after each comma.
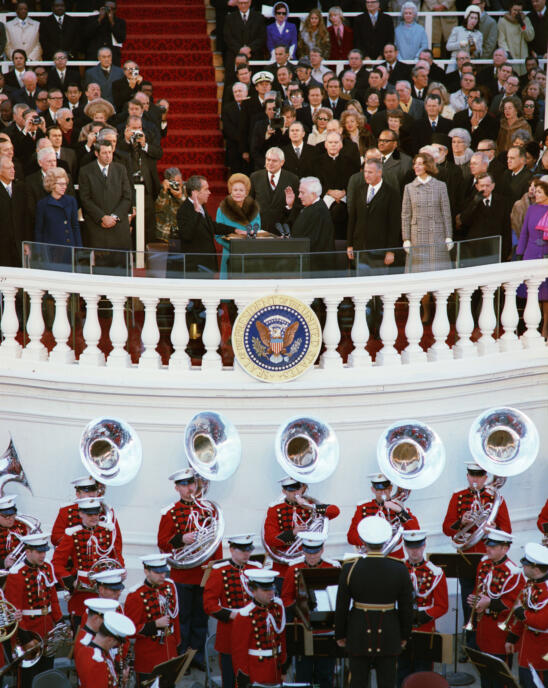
{"points": [[542, 226], [242, 216]]}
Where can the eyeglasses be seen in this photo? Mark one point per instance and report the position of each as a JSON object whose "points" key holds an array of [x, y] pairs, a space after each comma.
{"points": [[281, 12], [55, 97], [323, 119], [484, 150], [385, 141], [40, 99], [529, 105]]}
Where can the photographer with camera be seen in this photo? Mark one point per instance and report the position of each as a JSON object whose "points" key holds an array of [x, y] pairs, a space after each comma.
{"points": [[168, 203], [272, 130], [105, 30], [141, 169], [125, 88], [514, 31], [25, 130]]}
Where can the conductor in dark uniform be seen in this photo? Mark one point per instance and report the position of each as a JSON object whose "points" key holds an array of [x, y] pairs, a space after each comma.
{"points": [[377, 626]]}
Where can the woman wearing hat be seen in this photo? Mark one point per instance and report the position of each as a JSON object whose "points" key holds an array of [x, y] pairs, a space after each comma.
{"points": [[99, 110], [467, 37], [281, 31], [237, 210]]}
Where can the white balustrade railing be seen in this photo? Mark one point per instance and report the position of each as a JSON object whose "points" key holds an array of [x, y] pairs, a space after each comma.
{"points": [[497, 280]]}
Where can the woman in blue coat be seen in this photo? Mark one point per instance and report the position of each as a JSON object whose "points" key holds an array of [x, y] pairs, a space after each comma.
{"points": [[57, 220], [281, 31]]}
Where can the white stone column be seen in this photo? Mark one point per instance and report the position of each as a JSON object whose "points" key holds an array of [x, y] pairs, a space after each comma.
{"points": [[35, 350], [179, 360], [211, 335], [91, 355], [487, 322], [388, 333], [150, 335], [61, 352], [413, 352], [531, 338], [360, 358], [118, 357], [509, 341], [440, 351], [331, 359], [464, 347], [10, 347]]}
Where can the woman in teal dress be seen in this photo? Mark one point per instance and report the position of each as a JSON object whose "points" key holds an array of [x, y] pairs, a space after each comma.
{"points": [[237, 210]]}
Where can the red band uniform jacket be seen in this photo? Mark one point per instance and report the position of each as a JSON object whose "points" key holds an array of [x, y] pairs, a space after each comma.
{"points": [[431, 597], [144, 604], [68, 517], [9, 539], [532, 629], [226, 591], [289, 588], [95, 668], [177, 519], [372, 508]]}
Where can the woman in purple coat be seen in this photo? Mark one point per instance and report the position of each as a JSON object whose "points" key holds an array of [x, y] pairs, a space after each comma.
{"points": [[533, 242], [281, 31]]}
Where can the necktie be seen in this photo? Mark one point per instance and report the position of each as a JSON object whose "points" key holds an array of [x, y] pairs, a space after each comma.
{"points": [[244, 18], [486, 202], [60, 22], [370, 194], [433, 126], [105, 172], [272, 181], [8, 189], [373, 19], [383, 159], [419, 93], [298, 152]]}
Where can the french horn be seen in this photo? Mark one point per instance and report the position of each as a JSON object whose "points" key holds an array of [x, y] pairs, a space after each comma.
{"points": [[308, 450], [504, 442], [412, 456], [213, 449]]}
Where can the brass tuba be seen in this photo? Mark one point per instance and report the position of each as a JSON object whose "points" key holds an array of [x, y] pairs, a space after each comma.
{"points": [[214, 450], [504, 442], [412, 456], [308, 451], [111, 451], [11, 469]]}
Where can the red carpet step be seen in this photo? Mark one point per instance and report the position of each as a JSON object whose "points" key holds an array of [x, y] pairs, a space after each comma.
{"points": [[169, 40]]}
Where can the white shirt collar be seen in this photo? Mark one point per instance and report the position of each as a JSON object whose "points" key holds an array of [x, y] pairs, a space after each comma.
{"points": [[425, 181], [6, 186], [376, 187], [276, 177]]}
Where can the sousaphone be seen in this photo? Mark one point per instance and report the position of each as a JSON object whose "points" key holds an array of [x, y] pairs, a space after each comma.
{"points": [[111, 451]]}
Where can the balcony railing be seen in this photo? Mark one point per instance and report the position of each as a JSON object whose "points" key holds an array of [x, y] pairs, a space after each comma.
{"points": [[103, 311]]}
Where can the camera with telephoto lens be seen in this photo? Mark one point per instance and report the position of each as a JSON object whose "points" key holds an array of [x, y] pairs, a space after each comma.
{"points": [[134, 138], [277, 122], [36, 120], [135, 71], [174, 185]]}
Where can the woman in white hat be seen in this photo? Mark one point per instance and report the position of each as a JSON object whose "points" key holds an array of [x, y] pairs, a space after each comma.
{"points": [[467, 37]]}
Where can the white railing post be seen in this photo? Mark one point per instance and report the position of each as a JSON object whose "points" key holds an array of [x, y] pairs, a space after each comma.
{"points": [[487, 322], [91, 355], [360, 358], [9, 325], [509, 319], [331, 358], [464, 346], [61, 352], [35, 350], [140, 225], [211, 335], [428, 21], [388, 333], [118, 357], [440, 351], [179, 360], [531, 338], [413, 352], [150, 335]]}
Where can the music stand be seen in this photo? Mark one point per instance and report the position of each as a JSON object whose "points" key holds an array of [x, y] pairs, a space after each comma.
{"points": [[457, 565], [491, 668], [172, 670]]}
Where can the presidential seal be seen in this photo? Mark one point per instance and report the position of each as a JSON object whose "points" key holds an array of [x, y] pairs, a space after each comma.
{"points": [[276, 338]]}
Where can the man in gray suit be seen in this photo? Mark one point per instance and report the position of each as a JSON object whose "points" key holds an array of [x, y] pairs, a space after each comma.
{"points": [[105, 195], [412, 106], [104, 74]]}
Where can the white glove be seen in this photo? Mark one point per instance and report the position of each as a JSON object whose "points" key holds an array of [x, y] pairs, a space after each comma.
{"points": [[406, 245], [449, 243]]}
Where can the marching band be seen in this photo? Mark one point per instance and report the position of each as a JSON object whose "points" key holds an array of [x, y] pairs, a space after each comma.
{"points": [[389, 594]]}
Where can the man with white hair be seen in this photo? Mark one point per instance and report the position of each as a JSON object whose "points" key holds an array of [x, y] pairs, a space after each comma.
{"points": [[47, 160], [313, 221], [268, 188], [28, 93], [411, 106], [232, 119]]}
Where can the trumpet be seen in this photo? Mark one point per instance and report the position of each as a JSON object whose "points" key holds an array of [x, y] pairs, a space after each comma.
{"points": [[503, 625], [469, 626], [165, 604]]}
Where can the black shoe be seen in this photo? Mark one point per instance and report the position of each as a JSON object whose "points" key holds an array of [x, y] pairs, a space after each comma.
{"points": [[198, 664]]}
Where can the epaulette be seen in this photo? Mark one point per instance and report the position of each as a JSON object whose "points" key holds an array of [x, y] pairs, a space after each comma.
{"points": [[435, 569], [280, 500], [17, 567], [336, 564], [245, 611], [220, 564], [97, 655], [255, 563], [167, 508], [135, 587], [513, 568], [74, 529], [484, 558], [395, 559]]}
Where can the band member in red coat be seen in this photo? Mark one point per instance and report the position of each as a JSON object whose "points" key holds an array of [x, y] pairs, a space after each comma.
{"points": [[258, 638], [498, 582], [529, 621], [464, 506], [11, 530], [153, 608], [94, 664], [30, 586], [431, 601], [179, 526], [69, 515], [226, 591], [91, 621], [313, 670], [289, 515], [387, 508], [80, 548], [542, 522]]}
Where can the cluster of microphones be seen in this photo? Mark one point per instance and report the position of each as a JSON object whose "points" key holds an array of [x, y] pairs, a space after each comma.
{"points": [[253, 230]]}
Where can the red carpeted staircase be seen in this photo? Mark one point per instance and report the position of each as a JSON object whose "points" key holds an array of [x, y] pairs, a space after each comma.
{"points": [[169, 41]]}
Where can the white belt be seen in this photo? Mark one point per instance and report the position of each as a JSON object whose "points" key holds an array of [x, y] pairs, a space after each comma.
{"points": [[36, 612], [537, 630], [83, 573], [424, 609], [264, 653]]}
